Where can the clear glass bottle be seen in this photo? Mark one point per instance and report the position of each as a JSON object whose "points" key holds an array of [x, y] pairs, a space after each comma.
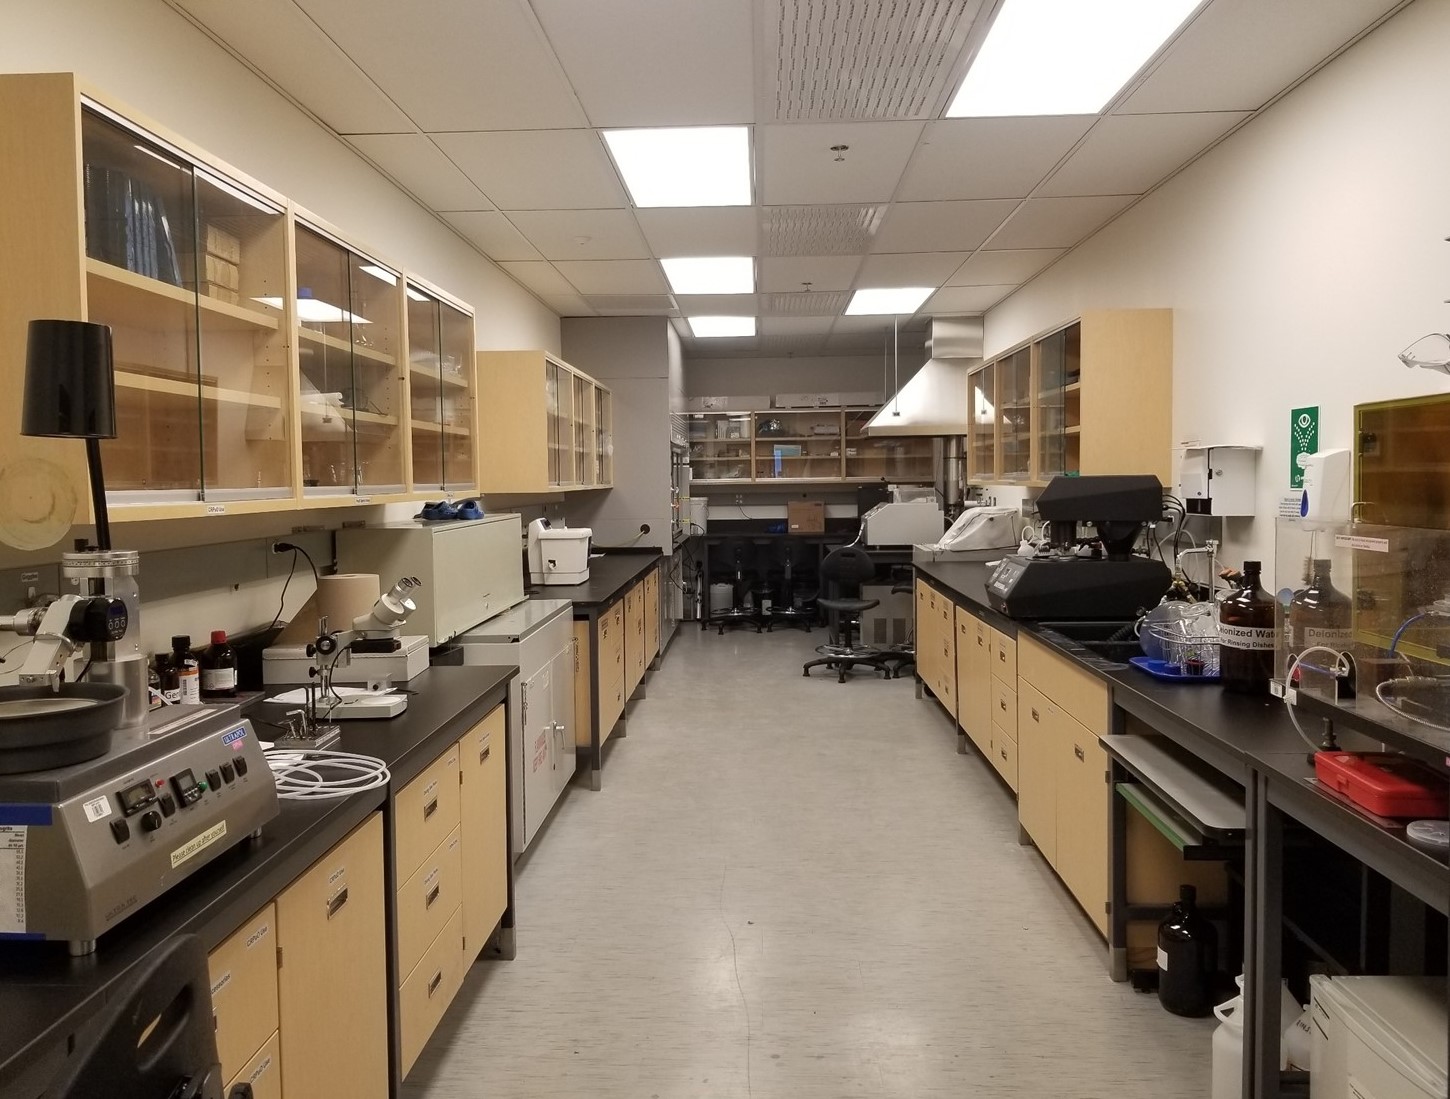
{"points": [[1247, 635], [1320, 614]]}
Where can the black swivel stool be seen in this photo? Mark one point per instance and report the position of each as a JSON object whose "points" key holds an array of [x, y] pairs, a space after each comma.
{"points": [[745, 588], [902, 655], [846, 569], [794, 606]]}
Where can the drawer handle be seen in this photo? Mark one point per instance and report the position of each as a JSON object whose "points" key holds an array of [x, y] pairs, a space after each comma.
{"points": [[430, 808], [1002, 655], [1004, 753], [483, 755], [1078, 752], [334, 906], [1003, 703], [1034, 716], [432, 896], [434, 983]]}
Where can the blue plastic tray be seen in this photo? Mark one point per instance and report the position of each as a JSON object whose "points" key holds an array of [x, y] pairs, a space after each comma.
{"points": [[1161, 669]]}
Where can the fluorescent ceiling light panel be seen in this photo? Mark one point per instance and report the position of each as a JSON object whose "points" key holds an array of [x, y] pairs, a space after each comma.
{"points": [[380, 273], [709, 327], [711, 274], [684, 166], [1054, 57], [898, 301]]}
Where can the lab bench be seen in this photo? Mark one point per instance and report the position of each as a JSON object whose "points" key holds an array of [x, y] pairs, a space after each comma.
{"points": [[334, 857], [1231, 769], [618, 636]]}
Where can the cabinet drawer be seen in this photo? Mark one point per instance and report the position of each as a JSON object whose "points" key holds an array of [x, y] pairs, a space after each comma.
{"points": [[1080, 693], [263, 1072], [425, 812], [1004, 755], [428, 898], [1004, 657], [429, 989], [485, 831], [243, 974], [583, 691], [1004, 708]]}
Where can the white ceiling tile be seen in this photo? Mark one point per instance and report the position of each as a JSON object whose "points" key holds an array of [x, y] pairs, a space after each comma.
{"points": [[700, 231], [569, 305], [633, 305], [909, 268], [619, 276], [538, 169], [721, 346], [718, 305], [988, 267], [480, 65], [966, 299], [785, 274], [940, 226], [796, 165], [656, 62], [988, 157], [1128, 154], [582, 234], [278, 39], [796, 326], [493, 233], [1058, 222], [542, 278], [1239, 54], [423, 169]]}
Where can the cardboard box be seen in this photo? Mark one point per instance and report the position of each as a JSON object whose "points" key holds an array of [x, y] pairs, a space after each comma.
{"points": [[223, 245], [805, 517]]}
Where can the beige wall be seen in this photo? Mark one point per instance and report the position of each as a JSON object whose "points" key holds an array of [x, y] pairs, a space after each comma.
{"points": [[807, 374]]}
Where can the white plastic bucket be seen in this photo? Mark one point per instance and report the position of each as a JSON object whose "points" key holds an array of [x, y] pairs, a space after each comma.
{"points": [[1228, 1040]]}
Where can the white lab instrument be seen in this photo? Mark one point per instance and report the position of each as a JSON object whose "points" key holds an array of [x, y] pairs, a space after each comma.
{"points": [[558, 555], [980, 528], [538, 637], [1325, 499], [470, 570], [289, 664], [1218, 480], [1378, 1036], [907, 521]]}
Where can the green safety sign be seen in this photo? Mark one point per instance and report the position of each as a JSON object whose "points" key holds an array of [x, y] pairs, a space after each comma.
{"points": [[1303, 440]]}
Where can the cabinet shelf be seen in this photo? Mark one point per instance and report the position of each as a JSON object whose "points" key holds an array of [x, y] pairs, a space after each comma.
{"points": [[176, 387], [307, 335], [794, 438], [432, 428], [431, 374], [136, 300]]}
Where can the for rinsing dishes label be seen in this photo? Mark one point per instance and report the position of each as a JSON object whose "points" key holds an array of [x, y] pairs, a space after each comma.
{"points": [[1253, 638]]}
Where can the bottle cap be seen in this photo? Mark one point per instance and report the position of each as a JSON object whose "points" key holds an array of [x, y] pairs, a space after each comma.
{"points": [[218, 637], [1322, 564], [1187, 894], [181, 642]]}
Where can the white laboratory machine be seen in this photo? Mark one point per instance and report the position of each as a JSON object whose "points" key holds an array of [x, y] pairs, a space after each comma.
{"points": [[538, 636], [912, 516], [558, 555], [1377, 1036], [977, 529], [469, 570]]}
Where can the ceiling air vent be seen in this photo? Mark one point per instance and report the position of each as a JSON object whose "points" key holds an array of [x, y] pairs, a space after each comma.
{"points": [[820, 230], [818, 303]]}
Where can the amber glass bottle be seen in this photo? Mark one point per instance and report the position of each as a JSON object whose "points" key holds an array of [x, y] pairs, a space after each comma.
{"points": [[1320, 614], [1246, 635]]}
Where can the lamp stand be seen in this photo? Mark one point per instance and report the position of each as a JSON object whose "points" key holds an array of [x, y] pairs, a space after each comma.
{"points": [[98, 493]]}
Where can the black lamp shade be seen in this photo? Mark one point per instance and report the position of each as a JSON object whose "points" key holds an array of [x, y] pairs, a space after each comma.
{"points": [[70, 381]]}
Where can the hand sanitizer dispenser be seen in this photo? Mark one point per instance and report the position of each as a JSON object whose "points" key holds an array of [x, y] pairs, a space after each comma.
{"points": [[1325, 500]]}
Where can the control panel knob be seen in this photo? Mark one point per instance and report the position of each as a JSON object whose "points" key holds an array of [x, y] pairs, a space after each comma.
{"points": [[150, 820]]}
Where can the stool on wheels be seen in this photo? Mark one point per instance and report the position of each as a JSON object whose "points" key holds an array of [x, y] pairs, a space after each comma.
{"points": [[847, 568], [743, 588], [793, 608], [902, 655]]}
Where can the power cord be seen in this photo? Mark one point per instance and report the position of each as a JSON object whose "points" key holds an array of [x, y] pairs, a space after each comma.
{"points": [[283, 547], [306, 774]]}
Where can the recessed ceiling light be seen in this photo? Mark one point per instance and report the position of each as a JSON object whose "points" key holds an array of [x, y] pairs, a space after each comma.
{"points": [[709, 327], [710, 274], [684, 166], [1045, 57], [897, 301]]}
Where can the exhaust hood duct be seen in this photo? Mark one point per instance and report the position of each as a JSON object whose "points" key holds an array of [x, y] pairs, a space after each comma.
{"points": [[934, 401]]}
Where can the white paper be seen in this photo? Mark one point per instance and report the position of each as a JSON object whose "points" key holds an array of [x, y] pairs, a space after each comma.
{"points": [[299, 696], [13, 839]]}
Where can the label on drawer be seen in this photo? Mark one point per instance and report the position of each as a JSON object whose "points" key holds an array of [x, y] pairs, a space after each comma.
{"points": [[221, 983]]}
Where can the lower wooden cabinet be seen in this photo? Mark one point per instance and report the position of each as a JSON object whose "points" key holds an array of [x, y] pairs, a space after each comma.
{"points": [[1082, 818], [243, 974], [583, 689], [612, 679], [332, 976], [974, 677], [651, 615], [485, 862], [263, 1072], [1001, 751], [1037, 769], [635, 660], [428, 989]]}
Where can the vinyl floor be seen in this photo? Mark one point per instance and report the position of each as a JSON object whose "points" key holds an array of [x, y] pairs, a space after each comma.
{"points": [[796, 888]]}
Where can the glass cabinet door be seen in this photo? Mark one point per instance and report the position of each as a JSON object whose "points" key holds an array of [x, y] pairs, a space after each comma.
{"points": [[604, 435], [798, 446], [456, 399], [189, 269], [719, 446], [1051, 405], [559, 404], [876, 458], [425, 389], [348, 316], [583, 431], [1014, 415], [982, 424]]}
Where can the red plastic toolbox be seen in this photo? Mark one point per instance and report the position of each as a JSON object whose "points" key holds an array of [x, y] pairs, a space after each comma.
{"points": [[1386, 785]]}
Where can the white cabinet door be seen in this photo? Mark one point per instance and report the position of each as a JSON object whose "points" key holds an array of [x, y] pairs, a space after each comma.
{"points": [[536, 699], [563, 739]]}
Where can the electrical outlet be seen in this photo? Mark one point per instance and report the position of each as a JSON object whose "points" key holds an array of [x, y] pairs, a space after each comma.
{"points": [[739, 499]]}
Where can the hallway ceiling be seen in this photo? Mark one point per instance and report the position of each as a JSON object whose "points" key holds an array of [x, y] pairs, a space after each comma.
{"points": [[488, 112]]}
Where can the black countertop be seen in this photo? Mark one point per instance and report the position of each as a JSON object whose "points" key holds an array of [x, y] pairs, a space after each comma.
{"points": [[609, 575], [48, 998]]}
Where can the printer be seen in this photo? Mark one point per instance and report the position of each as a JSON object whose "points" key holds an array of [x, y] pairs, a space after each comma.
{"points": [[558, 555], [911, 515]]}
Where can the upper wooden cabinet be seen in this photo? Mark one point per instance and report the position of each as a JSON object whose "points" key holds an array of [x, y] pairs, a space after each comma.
{"points": [[1092, 397], [260, 356], [543, 426]]}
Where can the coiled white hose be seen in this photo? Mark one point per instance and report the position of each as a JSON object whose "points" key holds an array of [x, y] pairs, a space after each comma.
{"points": [[306, 774]]}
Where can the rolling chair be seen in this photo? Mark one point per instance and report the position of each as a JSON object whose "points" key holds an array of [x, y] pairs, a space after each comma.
{"points": [[846, 568], [902, 655], [793, 607]]}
